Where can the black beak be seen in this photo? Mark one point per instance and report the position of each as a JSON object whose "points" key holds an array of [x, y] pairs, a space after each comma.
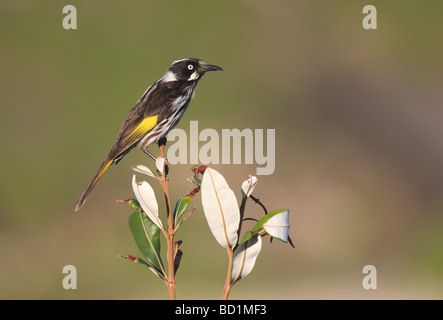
{"points": [[210, 67]]}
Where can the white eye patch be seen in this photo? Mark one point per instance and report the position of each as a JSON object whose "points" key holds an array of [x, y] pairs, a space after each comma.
{"points": [[190, 67]]}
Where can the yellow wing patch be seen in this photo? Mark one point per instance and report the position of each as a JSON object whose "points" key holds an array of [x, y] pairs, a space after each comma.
{"points": [[144, 126]]}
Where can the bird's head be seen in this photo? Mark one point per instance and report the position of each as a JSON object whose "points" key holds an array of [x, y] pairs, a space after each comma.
{"points": [[188, 69]]}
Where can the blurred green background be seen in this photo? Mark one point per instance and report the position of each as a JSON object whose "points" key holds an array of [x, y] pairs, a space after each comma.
{"points": [[359, 143]]}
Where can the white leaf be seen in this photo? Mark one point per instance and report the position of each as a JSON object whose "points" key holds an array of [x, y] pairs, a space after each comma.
{"points": [[278, 226], [143, 169], [160, 163], [220, 208], [248, 186], [146, 197], [244, 258]]}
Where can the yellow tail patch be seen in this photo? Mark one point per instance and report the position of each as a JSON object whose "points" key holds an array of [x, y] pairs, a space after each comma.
{"points": [[92, 184], [101, 172]]}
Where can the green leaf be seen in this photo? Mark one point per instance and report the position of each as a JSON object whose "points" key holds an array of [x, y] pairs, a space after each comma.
{"points": [[134, 204], [181, 205], [143, 262], [197, 170], [247, 236], [147, 237], [177, 255], [180, 209]]}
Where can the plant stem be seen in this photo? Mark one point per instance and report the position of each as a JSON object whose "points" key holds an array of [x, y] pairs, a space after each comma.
{"points": [[242, 214], [228, 284], [171, 232]]}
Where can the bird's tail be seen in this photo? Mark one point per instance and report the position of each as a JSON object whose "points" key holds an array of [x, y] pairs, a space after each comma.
{"points": [[105, 165]]}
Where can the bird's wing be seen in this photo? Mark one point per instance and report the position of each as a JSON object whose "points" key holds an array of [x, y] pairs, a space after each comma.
{"points": [[149, 110], [130, 134]]}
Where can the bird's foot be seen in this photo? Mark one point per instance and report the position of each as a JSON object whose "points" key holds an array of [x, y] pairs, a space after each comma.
{"points": [[162, 141]]}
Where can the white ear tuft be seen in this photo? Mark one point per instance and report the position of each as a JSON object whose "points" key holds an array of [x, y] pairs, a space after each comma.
{"points": [[169, 76]]}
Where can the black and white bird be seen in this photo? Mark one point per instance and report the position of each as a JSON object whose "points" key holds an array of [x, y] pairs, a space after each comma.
{"points": [[157, 112]]}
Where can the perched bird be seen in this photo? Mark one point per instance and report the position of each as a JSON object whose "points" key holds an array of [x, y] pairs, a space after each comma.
{"points": [[157, 112]]}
